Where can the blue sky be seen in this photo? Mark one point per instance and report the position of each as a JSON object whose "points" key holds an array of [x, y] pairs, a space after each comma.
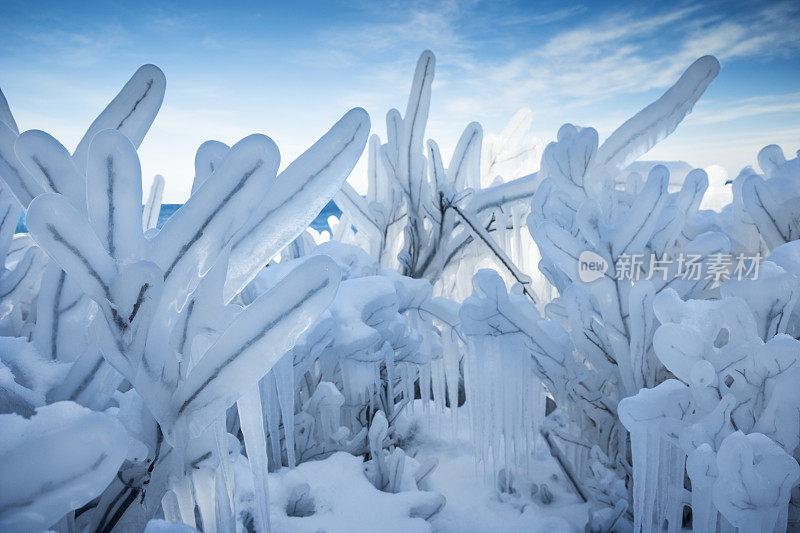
{"points": [[289, 70]]}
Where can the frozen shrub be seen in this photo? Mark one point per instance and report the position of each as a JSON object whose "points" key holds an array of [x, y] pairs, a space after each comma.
{"points": [[755, 480], [391, 470], [763, 212], [362, 356], [419, 217], [32, 163], [175, 367], [772, 198], [735, 400], [160, 305], [594, 348]]}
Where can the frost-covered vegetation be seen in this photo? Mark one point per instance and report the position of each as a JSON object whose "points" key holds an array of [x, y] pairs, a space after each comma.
{"points": [[236, 371]]}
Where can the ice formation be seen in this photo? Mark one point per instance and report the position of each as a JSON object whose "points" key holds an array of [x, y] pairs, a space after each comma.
{"points": [[155, 300], [513, 153], [234, 370], [737, 371]]}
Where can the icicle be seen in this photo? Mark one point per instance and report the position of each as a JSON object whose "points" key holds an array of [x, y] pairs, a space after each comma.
{"points": [[506, 402], [408, 377], [225, 466], [252, 423], [203, 482], [425, 386], [470, 391], [450, 356], [284, 381], [495, 419], [171, 508], [388, 358], [674, 464], [475, 399], [272, 414], [438, 381], [370, 394], [644, 447], [182, 488], [225, 520], [508, 395]]}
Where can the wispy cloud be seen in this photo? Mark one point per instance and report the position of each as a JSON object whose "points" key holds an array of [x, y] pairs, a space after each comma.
{"points": [[714, 112], [620, 54], [79, 48], [517, 18], [610, 54], [407, 28]]}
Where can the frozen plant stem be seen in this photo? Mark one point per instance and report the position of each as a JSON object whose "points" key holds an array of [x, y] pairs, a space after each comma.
{"points": [[252, 422], [480, 233], [555, 451]]}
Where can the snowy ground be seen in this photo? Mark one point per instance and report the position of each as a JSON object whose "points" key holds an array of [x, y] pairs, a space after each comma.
{"points": [[346, 501]]}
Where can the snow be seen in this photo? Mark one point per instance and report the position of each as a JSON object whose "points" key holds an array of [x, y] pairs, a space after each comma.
{"points": [[162, 526], [473, 504], [472, 507], [343, 497]]}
